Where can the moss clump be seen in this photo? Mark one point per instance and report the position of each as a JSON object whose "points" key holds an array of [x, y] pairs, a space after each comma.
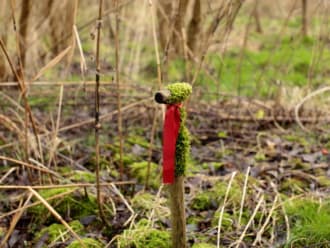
{"points": [[56, 231], [83, 176], [88, 242], [72, 206], [310, 223], [204, 201], [144, 236], [203, 245], [227, 223], [179, 92], [140, 169]]}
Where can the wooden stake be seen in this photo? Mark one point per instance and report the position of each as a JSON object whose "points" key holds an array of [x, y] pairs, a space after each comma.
{"points": [[178, 220]]}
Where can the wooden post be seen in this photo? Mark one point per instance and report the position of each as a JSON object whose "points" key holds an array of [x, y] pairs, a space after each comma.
{"points": [[173, 96], [178, 217]]}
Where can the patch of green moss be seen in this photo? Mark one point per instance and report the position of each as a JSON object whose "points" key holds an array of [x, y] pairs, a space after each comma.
{"points": [[227, 220], [213, 197], [57, 231], [260, 156], [324, 181], [74, 205], [144, 236], [179, 92], [139, 171], [88, 242], [204, 201], [83, 176], [136, 139]]}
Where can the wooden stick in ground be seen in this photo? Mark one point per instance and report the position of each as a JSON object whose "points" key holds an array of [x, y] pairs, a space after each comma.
{"points": [[178, 216], [176, 146]]}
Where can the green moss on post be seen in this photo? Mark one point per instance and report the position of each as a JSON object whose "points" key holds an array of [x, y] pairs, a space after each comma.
{"points": [[179, 92]]}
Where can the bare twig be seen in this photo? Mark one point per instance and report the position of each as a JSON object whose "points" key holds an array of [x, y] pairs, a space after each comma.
{"points": [[239, 241], [306, 98], [76, 185], [243, 195], [120, 125], [159, 80], [44, 170], [223, 207]]}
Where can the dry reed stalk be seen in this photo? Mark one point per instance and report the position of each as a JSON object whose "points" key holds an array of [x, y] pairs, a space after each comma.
{"points": [[52, 150], [21, 60], [44, 170], [14, 221], [11, 126], [243, 195], [151, 146], [56, 215], [97, 113], [75, 185], [116, 190], [83, 65], [239, 241], [23, 28], [105, 116], [74, 7], [159, 80], [3, 178], [223, 208], [119, 108], [53, 62], [140, 35], [156, 205], [306, 98], [23, 92], [262, 229]]}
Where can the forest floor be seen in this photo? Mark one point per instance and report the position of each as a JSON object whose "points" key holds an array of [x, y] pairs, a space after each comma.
{"points": [[259, 171]]}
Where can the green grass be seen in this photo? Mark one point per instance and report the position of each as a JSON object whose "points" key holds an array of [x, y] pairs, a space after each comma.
{"points": [[310, 223], [256, 72]]}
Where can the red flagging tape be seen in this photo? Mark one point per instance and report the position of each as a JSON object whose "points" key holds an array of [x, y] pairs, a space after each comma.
{"points": [[170, 135]]}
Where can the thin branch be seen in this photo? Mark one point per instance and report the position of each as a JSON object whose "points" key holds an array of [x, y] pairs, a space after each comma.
{"points": [[120, 125]]}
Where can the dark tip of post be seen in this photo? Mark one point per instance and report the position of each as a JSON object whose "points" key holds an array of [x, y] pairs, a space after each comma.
{"points": [[162, 96]]}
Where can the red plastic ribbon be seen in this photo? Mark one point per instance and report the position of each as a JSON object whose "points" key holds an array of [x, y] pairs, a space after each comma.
{"points": [[170, 135]]}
